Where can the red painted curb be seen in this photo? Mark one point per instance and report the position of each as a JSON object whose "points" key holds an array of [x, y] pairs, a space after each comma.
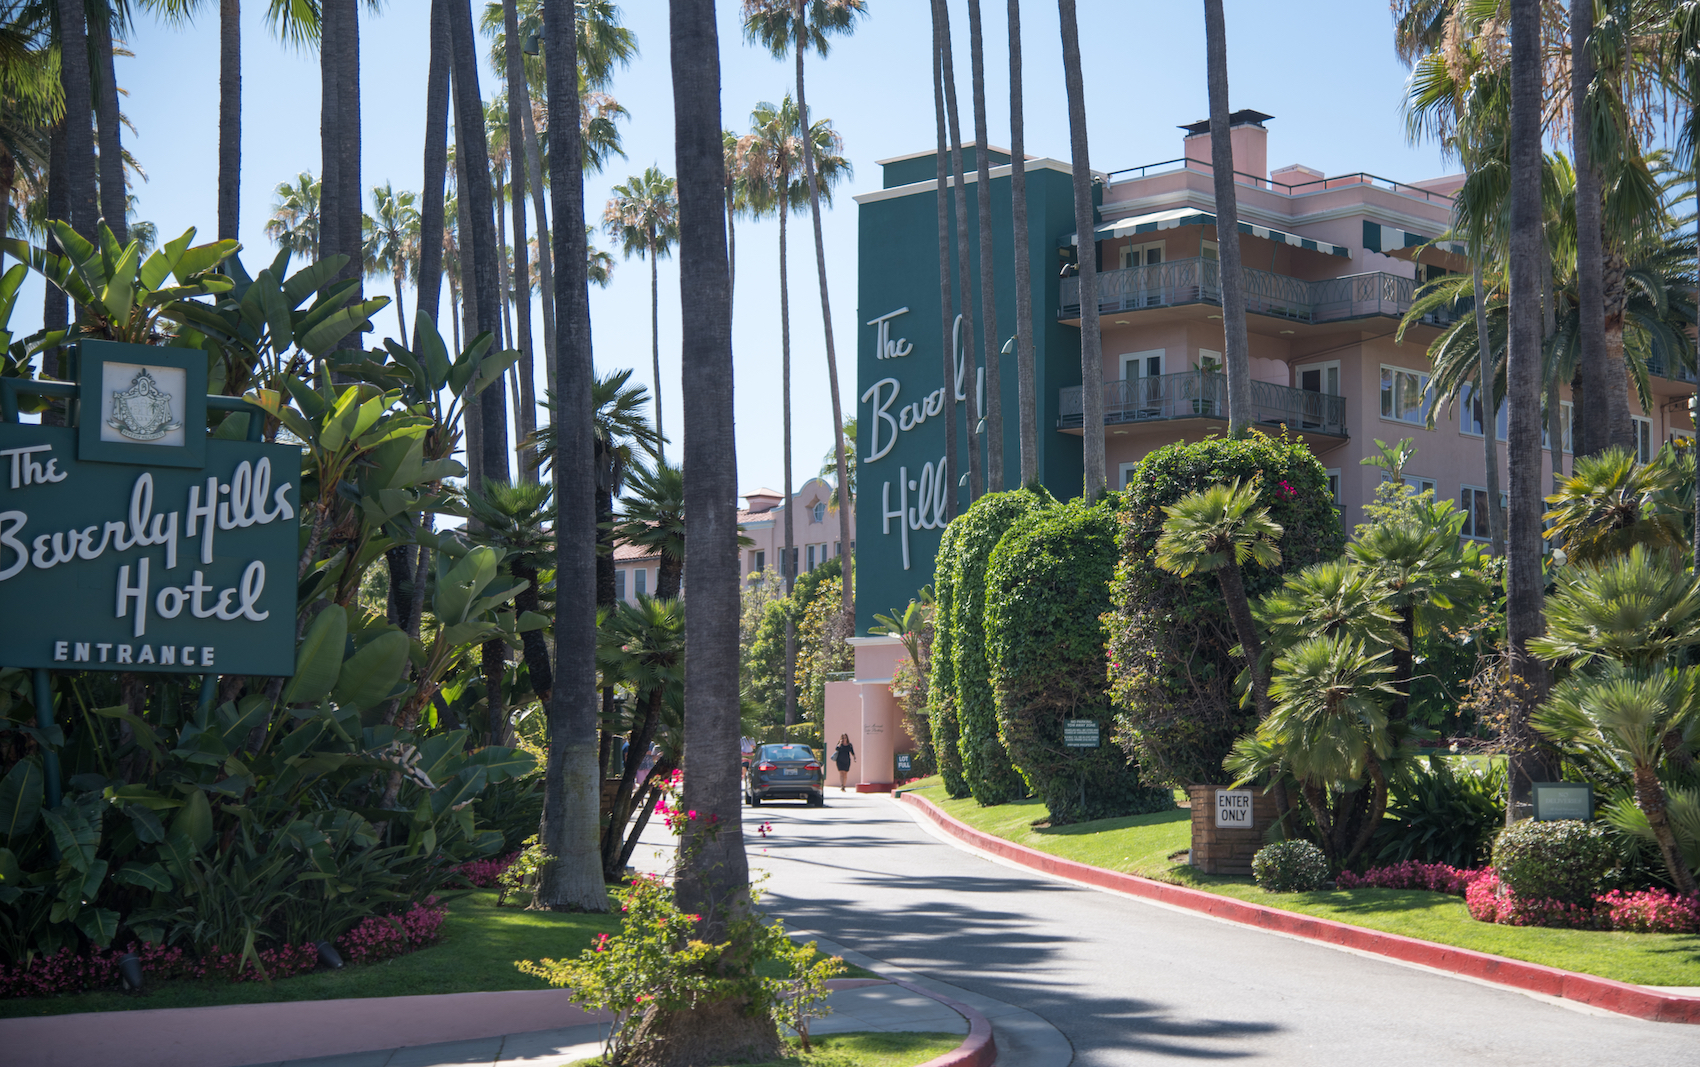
{"points": [[1620, 997], [978, 1049], [873, 787]]}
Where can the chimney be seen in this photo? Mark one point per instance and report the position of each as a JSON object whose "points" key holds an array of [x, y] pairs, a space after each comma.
{"points": [[1249, 139]]}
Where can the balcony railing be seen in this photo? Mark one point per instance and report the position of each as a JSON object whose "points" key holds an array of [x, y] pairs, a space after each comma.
{"points": [[1199, 281], [1679, 373], [1204, 395]]}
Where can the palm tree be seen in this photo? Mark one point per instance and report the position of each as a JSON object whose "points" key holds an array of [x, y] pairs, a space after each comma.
{"points": [[339, 133], [714, 878], [738, 180], [1681, 65], [988, 286], [1625, 717], [295, 21], [654, 519], [393, 247], [1523, 579], [573, 781], [78, 132], [800, 25], [1603, 395], [435, 238], [952, 452], [829, 464], [1611, 503], [1091, 335], [1236, 355], [477, 236], [1637, 608], [643, 645], [967, 372], [1026, 400], [1221, 528], [295, 222], [518, 107], [515, 519], [514, 272], [114, 194], [643, 215]]}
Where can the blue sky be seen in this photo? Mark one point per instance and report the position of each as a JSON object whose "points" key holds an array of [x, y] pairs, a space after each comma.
{"points": [[1324, 68]]}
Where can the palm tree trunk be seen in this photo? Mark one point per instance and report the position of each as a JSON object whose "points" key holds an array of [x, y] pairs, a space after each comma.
{"points": [[349, 141], [519, 109], [1490, 421], [545, 260], [1236, 357], [1591, 340], [528, 173], [1239, 610], [1404, 661], [1650, 798], [55, 311], [504, 283], [988, 261], [478, 234], [1549, 328], [847, 591], [81, 205], [714, 883], [1025, 385], [431, 221], [1523, 577], [1377, 808], [1612, 281], [787, 565], [400, 315], [655, 342], [964, 271], [1091, 336], [229, 118], [951, 460], [625, 794], [662, 770], [572, 881], [114, 199]]}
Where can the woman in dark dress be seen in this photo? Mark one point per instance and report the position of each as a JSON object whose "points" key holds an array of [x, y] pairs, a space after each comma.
{"points": [[841, 756]]}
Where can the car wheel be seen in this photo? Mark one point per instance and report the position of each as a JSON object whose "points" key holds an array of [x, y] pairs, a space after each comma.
{"points": [[755, 802]]}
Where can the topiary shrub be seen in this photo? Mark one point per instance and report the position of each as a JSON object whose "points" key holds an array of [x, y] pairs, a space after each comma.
{"points": [[985, 764], [941, 685], [1171, 668], [1047, 588], [1290, 867], [1566, 860]]}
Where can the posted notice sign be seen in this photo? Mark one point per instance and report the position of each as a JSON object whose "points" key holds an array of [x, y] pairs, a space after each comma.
{"points": [[1080, 733], [1233, 809]]}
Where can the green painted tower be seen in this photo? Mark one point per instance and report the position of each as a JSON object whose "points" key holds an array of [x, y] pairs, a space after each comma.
{"points": [[901, 499]]}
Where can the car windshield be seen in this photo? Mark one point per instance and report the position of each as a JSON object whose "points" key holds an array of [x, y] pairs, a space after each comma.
{"points": [[802, 752]]}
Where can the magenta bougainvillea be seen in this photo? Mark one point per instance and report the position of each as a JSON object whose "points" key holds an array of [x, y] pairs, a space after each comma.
{"points": [[1646, 911], [378, 937], [483, 873], [1434, 877]]}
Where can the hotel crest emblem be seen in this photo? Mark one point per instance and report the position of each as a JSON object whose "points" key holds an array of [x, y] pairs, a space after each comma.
{"points": [[143, 411]]}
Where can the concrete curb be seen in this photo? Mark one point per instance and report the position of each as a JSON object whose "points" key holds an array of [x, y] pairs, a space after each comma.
{"points": [[1603, 993], [977, 1049]]}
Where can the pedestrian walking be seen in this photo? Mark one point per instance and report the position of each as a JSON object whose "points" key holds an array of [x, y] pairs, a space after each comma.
{"points": [[842, 756]]}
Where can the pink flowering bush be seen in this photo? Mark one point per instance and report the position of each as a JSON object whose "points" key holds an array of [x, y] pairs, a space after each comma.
{"points": [[1411, 874], [1651, 911], [377, 937], [484, 873]]}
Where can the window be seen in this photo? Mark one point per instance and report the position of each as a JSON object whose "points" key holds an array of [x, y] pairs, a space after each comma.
{"points": [[811, 557], [1318, 378], [1334, 485], [1474, 502], [619, 585], [817, 511], [758, 561], [1643, 438], [1685, 435], [1145, 255], [1209, 250], [1416, 483], [1208, 361], [1126, 477], [1404, 395], [837, 549], [1566, 419], [1470, 415], [642, 583]]}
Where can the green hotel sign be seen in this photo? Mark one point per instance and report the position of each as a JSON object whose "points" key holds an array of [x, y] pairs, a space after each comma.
{"points": [[134, 542]]}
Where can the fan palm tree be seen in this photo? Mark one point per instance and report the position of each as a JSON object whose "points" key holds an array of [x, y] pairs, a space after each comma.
{"points": [[738, 180], [1330, 598], [991, 347], [77, 136], [966, 372], [1221, 528], [714, 880], [393, 243], [294, 224], [1236, 358], [1611, 503], [434, 238], [1636, 608], [339, 133], [798, 26], [1091, 335], [573, 778], [654, 518], [643, 215], [1026, 399], [1626, 717]]}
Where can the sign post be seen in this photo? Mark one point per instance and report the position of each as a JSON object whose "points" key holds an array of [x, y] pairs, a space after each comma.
{"points": [[135, 541]]}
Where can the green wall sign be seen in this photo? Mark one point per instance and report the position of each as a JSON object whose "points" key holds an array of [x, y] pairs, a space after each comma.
{"points": [[138, 543]]}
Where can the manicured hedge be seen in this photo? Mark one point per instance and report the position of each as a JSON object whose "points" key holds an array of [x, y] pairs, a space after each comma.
{"points": [[1047, 587], [941, 686], [985, 764], [1171, 672]]}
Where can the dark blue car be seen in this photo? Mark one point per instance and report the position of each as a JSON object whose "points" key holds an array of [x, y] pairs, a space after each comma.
{"points": [[784, 772]]}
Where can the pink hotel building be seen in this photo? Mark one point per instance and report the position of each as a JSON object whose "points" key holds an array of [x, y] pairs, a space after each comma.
{"points": [[1331, 266]]}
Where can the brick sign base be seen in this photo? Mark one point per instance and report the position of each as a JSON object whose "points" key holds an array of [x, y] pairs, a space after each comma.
{"points": [[1217, 850]]}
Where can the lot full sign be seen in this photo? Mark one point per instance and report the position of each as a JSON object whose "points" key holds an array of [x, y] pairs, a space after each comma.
{"points": [[136, 543]]}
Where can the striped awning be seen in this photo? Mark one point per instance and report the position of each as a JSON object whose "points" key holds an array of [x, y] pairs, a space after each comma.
{"points": [[1168, 220], [1388, 240]]}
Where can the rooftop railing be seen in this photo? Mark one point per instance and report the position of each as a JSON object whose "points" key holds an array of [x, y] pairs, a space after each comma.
{"points": [[1199, 281], [1199, 394], [1311, 185]]}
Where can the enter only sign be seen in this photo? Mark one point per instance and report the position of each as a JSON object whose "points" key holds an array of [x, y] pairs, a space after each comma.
{"points": [[1233, 808]]}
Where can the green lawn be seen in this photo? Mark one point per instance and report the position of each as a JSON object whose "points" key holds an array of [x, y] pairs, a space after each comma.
{"points": [[1143, 845], [864, 1049], [477, 954]]}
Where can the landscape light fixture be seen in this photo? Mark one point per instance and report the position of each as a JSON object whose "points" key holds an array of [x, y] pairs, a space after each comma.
{"points": [[530, 45], [329, 958], [130, 971]]}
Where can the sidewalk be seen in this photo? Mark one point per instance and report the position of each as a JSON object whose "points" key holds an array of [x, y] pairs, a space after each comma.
{"points": [[864, 1004]]}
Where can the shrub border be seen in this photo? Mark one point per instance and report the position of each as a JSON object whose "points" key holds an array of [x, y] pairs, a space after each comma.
{"points": [[1604, 993]]}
